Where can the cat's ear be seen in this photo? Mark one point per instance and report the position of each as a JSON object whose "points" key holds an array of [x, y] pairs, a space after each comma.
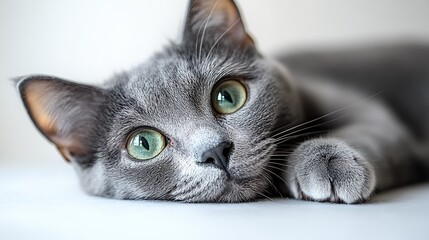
{"points": [[217, 19], [63, 111]]}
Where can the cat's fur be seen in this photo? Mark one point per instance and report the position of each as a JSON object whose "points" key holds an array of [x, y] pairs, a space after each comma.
{"points": [[304, 134]]}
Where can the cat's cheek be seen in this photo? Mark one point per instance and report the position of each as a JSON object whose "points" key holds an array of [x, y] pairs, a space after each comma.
{"points": [[93, 180]]}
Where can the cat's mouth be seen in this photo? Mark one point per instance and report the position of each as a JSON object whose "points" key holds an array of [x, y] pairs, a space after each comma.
{"points": [[242, 189], [224, 186], [227, 187], [243, 177], [248, 180]]}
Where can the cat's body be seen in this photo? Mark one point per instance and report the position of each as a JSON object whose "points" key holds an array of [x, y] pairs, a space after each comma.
{"points": [[400, 71], [394, 78], [230, 125]]}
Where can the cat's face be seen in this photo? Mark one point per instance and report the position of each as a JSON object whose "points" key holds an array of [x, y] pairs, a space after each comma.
{"points": [[192, 124]]}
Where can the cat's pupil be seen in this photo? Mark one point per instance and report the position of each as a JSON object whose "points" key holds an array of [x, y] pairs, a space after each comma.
{"points": [[224, 95], [144, 142]]}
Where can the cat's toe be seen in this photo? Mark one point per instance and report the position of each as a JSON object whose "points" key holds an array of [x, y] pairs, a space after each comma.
{"points": [[329, 170]]}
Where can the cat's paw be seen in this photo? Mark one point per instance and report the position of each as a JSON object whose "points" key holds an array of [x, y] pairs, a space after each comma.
{"points": [[329, 170]]}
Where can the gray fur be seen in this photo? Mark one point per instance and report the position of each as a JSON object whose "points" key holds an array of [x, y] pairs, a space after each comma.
{"points": [[277, 147], [328, 169]]}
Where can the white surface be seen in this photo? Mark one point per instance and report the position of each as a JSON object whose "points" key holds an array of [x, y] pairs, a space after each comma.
{"points": [[47, 204], [88, 41]]}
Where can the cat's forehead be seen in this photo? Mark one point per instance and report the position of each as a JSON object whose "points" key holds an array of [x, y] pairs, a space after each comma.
{"points": [[174, 78], [160, 75], [163, 84]]}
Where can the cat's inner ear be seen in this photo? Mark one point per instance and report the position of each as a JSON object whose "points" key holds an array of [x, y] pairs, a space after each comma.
{"points": [[216, 19], [63, 111]]}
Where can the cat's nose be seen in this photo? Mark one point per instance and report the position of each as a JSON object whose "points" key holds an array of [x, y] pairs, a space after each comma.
{"points": [[218, 156]]}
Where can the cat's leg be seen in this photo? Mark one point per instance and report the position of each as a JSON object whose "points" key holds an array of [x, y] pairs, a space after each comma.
{"points": [[371, 151]]}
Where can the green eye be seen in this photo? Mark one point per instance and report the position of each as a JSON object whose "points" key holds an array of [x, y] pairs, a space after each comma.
{"points": [[145, 144], [229, 96]]}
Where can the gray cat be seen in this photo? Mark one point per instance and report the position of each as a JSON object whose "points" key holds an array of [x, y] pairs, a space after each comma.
{"points": [[210, 119]]}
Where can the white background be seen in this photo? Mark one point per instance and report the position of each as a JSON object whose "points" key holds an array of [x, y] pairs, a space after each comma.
{"points": [[87, 41]]}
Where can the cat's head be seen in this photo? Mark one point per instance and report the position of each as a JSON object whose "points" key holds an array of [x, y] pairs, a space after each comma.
{"points": [[194, 123]]}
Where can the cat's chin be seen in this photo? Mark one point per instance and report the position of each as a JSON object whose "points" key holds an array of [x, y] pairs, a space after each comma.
{"points": [[230, 190]]}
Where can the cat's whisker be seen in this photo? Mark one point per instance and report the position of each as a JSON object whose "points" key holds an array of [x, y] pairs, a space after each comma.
{"points": [[260, 193], [285, 138], [313, 126], [197, 38], [283, 155], [280, 169], [263, 195], [271, 183], [265, 190], [282, 140], [331, 113], [222, 35], [284, 151], [263, 148], [280, 164], [282, 128], [205, 27], [275, 174], [278, 159], [287, 132]]}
